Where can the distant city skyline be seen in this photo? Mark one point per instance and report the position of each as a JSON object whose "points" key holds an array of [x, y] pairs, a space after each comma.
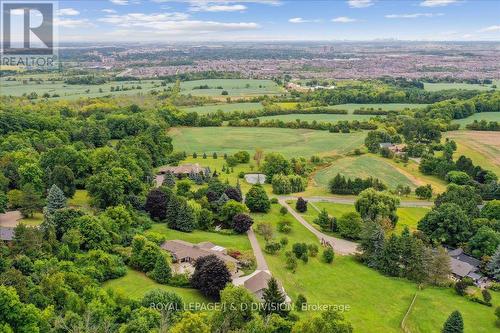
{"points": [[277, 20]]}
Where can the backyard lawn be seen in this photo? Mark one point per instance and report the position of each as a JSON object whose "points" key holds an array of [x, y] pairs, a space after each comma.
{"points": [[376, 303], [135, 284]]}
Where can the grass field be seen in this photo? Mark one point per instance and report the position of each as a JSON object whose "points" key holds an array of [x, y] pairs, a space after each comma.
{"points": [[488, 116], [363, 166], [465, 86], [135, 284], [289, 142], [326, 118], [235, 87], [481, 146], [377, 303], [204, 109], [240, 242], [33, 221], [351, 107], [408, 216]]}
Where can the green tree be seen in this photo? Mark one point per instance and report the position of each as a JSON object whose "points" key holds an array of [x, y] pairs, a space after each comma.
{"points": [[349, 225], [55, 199], [274, 299], [374, 205], [454, 323], [230, 210], [31, 201], [169, 180], [300, 302], [185, 219], [162, 272], [491, 210], [64, 178], [210, 276], [484, 242], [465, 197], [192, 323], [3, 202], [301, 205], [328, 255], [494, 264], [424, 192], [257, 200], [329, 321], [324, 221], [275, 163], [236, 309], [439, 269]]}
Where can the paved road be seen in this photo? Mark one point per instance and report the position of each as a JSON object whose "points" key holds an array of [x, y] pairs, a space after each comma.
{"points": [[340, 246], [350, 201], [257, 252]]}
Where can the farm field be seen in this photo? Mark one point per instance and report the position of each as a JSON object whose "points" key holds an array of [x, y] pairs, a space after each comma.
{"points": [[482, 147], [326, 118], [289, 142], [377, 303], [135, 284], [466, 86], [351, 107], [228, 107], [488, 116], [75, 91], [239, 242], [363, 166], [235, 87]]}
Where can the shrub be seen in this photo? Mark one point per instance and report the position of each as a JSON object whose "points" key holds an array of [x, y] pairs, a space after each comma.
{"points": [[284, 226], [313, 250], [299, 249], [272, 247], [424, 192], [328, 255], [283, 210], [300, 302], [241, 223], [284, 241], [350, 225], [273, 201], [291, 263]]}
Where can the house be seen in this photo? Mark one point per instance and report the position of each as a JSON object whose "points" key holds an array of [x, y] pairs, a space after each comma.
{"points": [[257, 283], [395, 149], [463, 265], [6, 234], [184, 170], [185, 252]]}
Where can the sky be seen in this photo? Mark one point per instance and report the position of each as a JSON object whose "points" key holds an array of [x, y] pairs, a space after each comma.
{"points": [[267, 20]]}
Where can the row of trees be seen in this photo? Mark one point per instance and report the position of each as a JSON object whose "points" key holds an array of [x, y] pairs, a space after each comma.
{"points": [[340, 185]]}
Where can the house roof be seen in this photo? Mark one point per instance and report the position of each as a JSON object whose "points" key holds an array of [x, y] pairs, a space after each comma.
{"points": [[461, 256], [6, 234], [181, 249], [460, 268], [258, 282], [385, 144]]}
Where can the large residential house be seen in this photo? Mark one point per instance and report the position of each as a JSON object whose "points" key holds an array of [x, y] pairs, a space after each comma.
{"points": [[184, 170], [185, 252], [463, 265], [257, 283]]}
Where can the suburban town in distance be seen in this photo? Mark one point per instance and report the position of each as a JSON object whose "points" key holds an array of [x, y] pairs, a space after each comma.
{"points": [[249, 166]]}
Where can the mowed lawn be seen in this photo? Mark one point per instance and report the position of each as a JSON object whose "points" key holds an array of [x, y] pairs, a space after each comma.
{"points": [[408, 216], [289, 142], [135, 284], [488, 116], [228, 107], [483, 147], [364, 166], [377, 303], [234, 87], [325, 117], [239, 242], [352, 106]]}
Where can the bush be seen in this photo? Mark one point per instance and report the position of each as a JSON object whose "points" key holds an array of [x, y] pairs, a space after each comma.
{"points": [[283, 210], [313, 250], [265, 229], [272, 247], [273, 201], [299, 249], [301, 205], [300, 302], [284, 226], [328, 255], [241, 223], [350, 225], [284, 241], [291, 263], [424, 192]]}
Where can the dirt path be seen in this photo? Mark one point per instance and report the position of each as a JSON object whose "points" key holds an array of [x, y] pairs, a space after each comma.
{"points": [[340, 246], [10, 219]]}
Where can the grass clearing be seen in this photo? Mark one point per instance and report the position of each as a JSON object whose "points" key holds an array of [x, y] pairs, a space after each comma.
{"points": [[289, 142], [135, 284], [364, 166], [228, 107], [488, 116], [320, 118], [483, 147], [350, 107], [464, 86], [240, 242], [33, 221], [377, 303], [234, 87]]}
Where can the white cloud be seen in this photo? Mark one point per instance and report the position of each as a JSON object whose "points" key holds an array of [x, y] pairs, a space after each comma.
{"points": [[120, 2], [68, 12], [217, 8], [301, 20], [492, 28], [437, 3], [410, 16], [343, 19], [72, 23], [360, 3], [109, 11]]}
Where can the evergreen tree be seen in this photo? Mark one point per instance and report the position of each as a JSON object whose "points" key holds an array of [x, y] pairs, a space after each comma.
{"points": [[169, 179], [30, 201], [214, 155], [494, 264], [156, 204], [274, 299], [454, 323], [324, 221], [195, 155], [439, 267], [372, 243], [257, 200], [161, 273], [186, 217], [390, 259]]}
